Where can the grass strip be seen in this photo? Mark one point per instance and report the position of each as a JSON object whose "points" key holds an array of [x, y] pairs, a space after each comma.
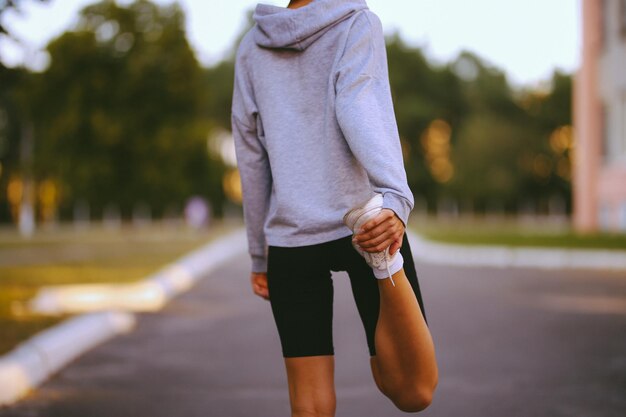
{"points": [[93, 255]]}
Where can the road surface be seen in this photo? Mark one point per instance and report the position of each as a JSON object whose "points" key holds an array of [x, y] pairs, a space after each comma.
{"points": [[516, 342]]}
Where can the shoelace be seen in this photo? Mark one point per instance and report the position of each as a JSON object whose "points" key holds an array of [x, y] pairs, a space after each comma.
{"points": [[387, 265], [377, 262], [377, 259]]}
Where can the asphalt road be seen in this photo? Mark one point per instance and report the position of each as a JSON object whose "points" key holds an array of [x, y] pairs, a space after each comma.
{"points": [[510, 343]]}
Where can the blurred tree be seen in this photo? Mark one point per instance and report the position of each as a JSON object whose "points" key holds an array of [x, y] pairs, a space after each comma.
{"points": [[505, 149], [551, 107], [490, 159], [124, 111], [121, 111], [220, 79], [485, 86], [487, 140], [12, 81], [14, 5], [421, 93], [550, 110], [11, 118]]}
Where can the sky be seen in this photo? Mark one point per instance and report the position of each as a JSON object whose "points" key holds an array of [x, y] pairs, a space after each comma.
{"points": [[528, 39]]}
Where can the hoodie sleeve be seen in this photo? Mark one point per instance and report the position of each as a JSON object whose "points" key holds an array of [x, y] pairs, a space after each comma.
{"points": [[253, 164], [364, 111]]}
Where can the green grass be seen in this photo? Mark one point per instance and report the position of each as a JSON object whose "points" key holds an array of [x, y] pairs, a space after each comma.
{"points": [[69, 256], [507, 232]]}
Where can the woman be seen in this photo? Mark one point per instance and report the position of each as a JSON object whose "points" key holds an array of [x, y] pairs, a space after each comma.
{"points": [[322, 175]]}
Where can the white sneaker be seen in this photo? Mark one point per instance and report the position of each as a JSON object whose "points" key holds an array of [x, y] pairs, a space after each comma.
{"points": [[354, 219]]}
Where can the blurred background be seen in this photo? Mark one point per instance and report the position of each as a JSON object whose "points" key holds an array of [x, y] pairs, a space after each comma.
{"points": [[115, 118], [108, 113], [116, 155]]}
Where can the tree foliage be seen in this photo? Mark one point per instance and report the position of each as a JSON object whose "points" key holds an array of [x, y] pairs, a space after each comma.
{"points": [[121, 111], [499, 138]]}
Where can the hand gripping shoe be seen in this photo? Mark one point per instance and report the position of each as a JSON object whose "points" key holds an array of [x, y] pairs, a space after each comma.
{"points": [[381, 262]]}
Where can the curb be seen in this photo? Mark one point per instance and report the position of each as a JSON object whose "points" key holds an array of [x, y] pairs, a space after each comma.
{"points": [[149, 294], [431, 252], [36, 359]]}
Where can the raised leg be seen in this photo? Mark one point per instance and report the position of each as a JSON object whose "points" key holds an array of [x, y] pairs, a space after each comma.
{"points": [[311, 386], [404, 367]]}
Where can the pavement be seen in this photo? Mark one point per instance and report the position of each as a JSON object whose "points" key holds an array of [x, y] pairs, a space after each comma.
{"points": [[445, 253], [510, 342]]}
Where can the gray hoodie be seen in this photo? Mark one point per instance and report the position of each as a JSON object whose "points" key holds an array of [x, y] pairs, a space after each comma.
{"points": [[313, 124]]}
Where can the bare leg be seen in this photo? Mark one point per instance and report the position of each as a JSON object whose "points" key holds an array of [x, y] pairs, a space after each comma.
{"points": [[404, 368], [311, 386]]}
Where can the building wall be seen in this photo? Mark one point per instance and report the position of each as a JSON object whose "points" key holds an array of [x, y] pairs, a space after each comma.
{"points": [[600, 119]]}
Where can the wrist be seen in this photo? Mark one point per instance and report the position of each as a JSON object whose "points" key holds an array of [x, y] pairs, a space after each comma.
{"points": [[259, 264], [395, 215]]}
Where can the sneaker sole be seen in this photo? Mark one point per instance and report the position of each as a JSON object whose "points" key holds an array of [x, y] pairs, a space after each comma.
{"points": [[351, 217]]}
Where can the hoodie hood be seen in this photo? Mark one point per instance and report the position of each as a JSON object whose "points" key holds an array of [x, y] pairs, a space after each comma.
{"points": [[297, 29]]}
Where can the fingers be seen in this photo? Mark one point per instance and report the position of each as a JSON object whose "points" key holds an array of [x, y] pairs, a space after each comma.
{"points": [[375, 235], [261, 292], [395, 246], [379, 247], [259, 285], [383, 216], [381, 232]]}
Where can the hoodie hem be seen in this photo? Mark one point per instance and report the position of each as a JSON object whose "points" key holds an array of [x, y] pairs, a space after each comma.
{"points": [[309, 239]]}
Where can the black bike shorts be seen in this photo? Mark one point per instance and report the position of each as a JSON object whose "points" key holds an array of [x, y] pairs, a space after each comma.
{"points": [[301, 293]]}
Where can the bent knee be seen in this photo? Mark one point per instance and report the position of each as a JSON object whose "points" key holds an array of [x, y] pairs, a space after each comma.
{"points": [[412, 402], [412, 399]]}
